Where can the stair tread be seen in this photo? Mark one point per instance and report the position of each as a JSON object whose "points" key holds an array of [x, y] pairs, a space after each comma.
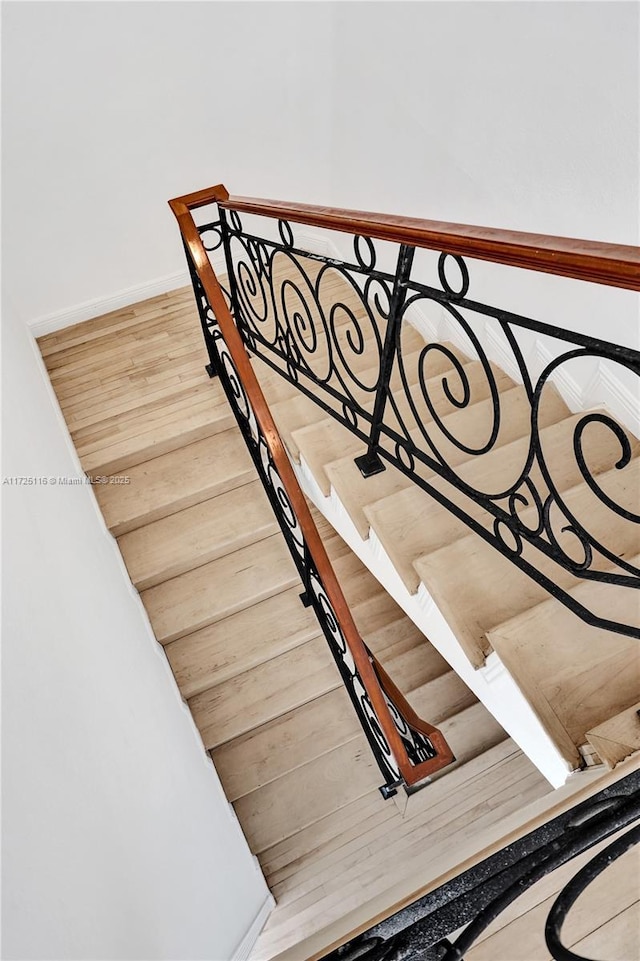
{"points": [[165, 548], [115, 322], [299, 412], [461, 592], [365, 865], [617, 737], [398, 636], [222, 587], [175, 481], [325, 441], [265, 692], [411, 522], [338, 833], [231, 646], [92, 409], [574, 675], [412, 669], [279, 746], [446, 695], [184, 423], [352, 885], [356, 492], [326, 783]]}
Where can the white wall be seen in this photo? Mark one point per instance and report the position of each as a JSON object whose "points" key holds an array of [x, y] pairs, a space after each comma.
{"points": [[518, 115], [508, 114], [110, 109], [118, 842]]}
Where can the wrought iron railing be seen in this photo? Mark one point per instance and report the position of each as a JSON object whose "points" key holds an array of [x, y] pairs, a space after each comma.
{"points": [[470, 902], [406, 748], [351, 353]]}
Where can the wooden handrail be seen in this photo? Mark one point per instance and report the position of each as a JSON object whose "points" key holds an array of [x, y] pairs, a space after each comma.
{"points": [[616, 265], [181, 207]]}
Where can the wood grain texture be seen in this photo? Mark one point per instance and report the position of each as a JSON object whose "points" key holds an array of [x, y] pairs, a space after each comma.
{"points": [[617, 265]]}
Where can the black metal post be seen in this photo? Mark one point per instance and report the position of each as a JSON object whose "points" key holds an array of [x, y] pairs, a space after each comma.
{"points": [[370, 463]]}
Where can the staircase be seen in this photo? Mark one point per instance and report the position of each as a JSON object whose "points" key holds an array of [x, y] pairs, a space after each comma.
{"points": [[177, 489], [201, 545]]}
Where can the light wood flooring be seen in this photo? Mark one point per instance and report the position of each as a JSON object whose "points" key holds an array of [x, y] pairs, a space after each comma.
{"points": [[221, 592]]}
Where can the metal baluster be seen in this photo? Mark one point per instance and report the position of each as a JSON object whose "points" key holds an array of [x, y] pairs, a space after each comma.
{"points": [[370, 462], [231, 275], [201, 302]]}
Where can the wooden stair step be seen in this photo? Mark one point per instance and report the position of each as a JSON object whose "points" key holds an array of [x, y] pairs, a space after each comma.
{"points": [[350, 894], [574, 675], [220, 588], [475, 587], [325, 784], [443, 696], [274, 749], [165, 548], [477, 740], [123, 399], [144, 405], [300, 411], [200, 415], [457, 575], [619, 737], [394, 638], [325, 441], [91, 402], [365, 865], [410, 522], [291, 414], [417, 412], [286, 858], [357, 582], [355, 491], [108, 330], [175, 481], [376, 620], [499, 469], [113, 323], [338, 834], [229, 647], [265, 692], [114, 356], [414, 668]]}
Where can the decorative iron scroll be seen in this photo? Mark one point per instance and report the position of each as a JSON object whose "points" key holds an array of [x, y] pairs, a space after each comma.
{"points": [[470, 902], [419, 747], [341, 332]]}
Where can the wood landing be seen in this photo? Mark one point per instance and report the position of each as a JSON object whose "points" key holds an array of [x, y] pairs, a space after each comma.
{"points": [[221, 592]]}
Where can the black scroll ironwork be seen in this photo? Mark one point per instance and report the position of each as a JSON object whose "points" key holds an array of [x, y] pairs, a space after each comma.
{"points": [[339, 330], [424, 751], [470, 902]]}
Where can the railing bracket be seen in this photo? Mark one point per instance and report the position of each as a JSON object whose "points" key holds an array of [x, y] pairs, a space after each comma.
{"points": [[210, 369], [306, 600], [369, 464], [390, 790]]}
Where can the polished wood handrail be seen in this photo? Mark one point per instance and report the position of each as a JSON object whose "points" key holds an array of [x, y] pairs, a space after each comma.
{"points": [[181, 207], [616, 265]]}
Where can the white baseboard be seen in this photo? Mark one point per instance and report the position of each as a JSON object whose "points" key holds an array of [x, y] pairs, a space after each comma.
{"points": [[104, 305], [245, 947]]}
